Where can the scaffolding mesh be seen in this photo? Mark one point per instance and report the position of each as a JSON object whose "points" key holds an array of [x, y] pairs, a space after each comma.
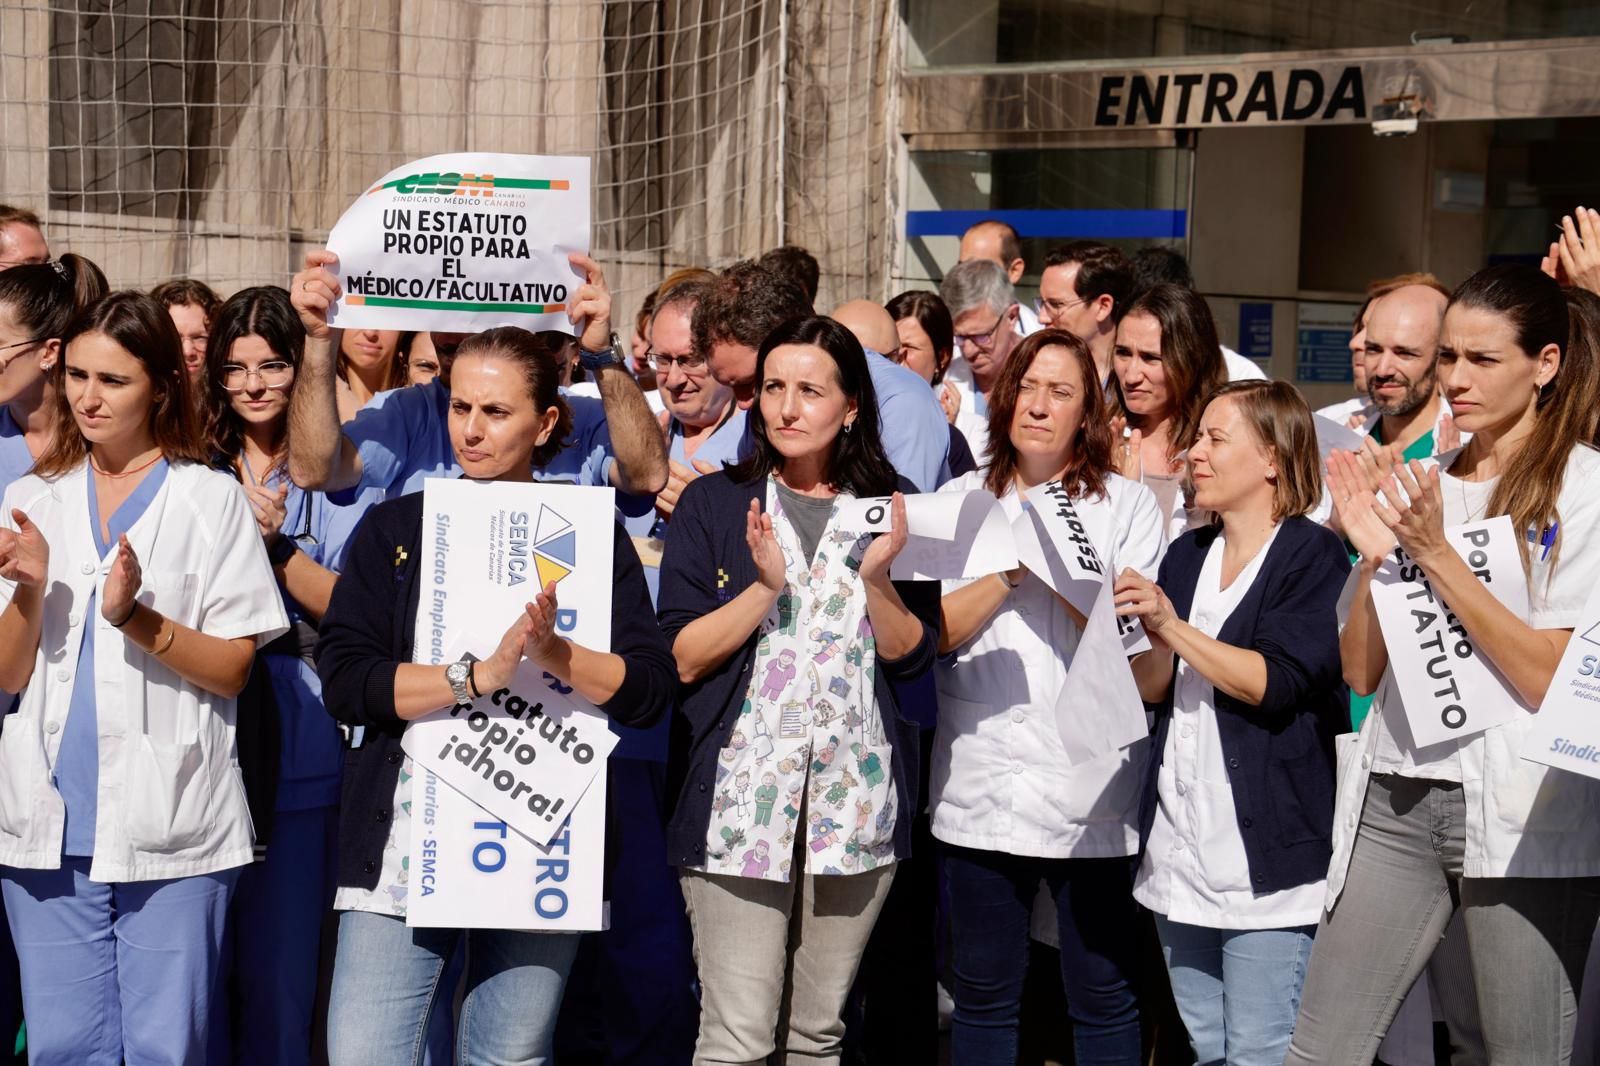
{"points": [[220, 139]]}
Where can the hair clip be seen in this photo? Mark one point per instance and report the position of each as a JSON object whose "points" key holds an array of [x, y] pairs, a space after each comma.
{"points": [[60, 268]]}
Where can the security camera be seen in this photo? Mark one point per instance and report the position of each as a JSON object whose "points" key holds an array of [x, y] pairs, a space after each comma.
{"points": [[1394, 127]]}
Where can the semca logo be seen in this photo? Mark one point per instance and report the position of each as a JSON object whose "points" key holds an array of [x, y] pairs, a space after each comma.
{"points": [[548, 546]]}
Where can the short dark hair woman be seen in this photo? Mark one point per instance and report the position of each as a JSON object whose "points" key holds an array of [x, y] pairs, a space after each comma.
{"points": [[793, 772]]}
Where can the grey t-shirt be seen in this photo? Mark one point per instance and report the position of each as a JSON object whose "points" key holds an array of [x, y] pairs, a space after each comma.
{"points": [[808, 515]]}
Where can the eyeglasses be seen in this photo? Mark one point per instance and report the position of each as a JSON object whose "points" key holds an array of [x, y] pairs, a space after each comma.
{"points": [[274, 375], [24, 345], [1055, 307], [984, 339], [663, 363]]}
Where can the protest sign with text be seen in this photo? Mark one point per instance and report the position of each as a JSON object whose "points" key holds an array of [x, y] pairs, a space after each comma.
{"points": [[524, 753], [1098, 709], [471, 871], [1448, 688], [948, 534], [1565, 733], [488, 548], [464, 242]]}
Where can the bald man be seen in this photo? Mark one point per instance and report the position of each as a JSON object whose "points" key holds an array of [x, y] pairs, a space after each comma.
{"points": [[997, 242], [21, 238], [915, 433], [1402, 357], [872, 324]]}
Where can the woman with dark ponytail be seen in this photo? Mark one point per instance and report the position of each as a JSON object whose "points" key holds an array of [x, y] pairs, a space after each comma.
{"points": [[37, 300], [1419, 828]]}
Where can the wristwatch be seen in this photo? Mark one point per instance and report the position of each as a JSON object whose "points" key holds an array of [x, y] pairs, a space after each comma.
{"points": [[459, 674], [281, 550], [608, 356]]}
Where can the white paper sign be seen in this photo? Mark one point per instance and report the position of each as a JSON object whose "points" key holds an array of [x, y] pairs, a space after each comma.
{"points": [[1333, 436], [1566, 732], [487, 550], [948, 534], [1098, 709], [524, 753], [1053, 542], [464, 242], [1448, 689], [469, 870]]}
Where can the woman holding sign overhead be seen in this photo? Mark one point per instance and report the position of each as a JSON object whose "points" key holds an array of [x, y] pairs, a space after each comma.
{"points": [[1419, 827], [1245, 675], [506, 420], [1007, 800], [795, 771]]}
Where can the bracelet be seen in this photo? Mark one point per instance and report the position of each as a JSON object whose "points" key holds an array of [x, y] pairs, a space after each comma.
{"points": [[172, 635], [127, 617], [472, 679]]}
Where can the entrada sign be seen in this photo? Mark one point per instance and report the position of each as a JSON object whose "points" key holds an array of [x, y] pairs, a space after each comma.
{"points": [[1298, 94]]}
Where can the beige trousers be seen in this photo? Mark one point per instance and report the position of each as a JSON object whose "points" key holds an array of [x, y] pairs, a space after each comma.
{"points": [[772, 954]]}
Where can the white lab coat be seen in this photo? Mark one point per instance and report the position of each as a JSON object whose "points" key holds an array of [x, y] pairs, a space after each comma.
{"points": [[1000, 778], [170, 796], [1523, 819]]}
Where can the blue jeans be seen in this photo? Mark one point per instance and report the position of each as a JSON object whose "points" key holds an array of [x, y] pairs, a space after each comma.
{"points": [[117, 972], [386, 984], [1238, 990], [991, 902]]}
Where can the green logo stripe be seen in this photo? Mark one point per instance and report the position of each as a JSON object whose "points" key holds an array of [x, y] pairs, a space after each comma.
{"points": [[460, 305], [425, 185]]}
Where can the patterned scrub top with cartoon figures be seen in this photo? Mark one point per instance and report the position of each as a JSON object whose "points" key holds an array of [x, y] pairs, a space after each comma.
{"points": [[809, 736]]}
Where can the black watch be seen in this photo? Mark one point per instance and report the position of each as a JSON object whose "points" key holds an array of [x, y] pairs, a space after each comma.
{"points": [[281, 550]]}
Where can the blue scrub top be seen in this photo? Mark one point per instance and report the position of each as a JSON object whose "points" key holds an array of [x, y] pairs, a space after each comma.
{"points": [[403, 438], [726, 446], [77, 771], [15, 461], [311, 747]]}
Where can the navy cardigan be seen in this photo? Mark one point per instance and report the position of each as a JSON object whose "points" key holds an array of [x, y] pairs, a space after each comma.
{"points": [[706, 564], [1279, 754], [369, 630]]}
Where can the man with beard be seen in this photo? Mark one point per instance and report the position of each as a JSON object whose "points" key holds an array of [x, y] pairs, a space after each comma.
{"points": [[1402, 351]]}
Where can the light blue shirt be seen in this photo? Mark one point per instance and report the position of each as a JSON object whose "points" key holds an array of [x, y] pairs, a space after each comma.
{"points": [[403, 438], [77, 771], [915, 432], [15, 461], [726, 446]]}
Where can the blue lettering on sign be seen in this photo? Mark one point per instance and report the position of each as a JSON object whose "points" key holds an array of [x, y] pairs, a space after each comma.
{"points": [[551, 901], [1582, 753]]}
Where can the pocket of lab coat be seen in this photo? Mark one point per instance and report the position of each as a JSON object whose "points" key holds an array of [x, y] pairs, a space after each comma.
{"points": [[19, 765], [169, 806]]}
